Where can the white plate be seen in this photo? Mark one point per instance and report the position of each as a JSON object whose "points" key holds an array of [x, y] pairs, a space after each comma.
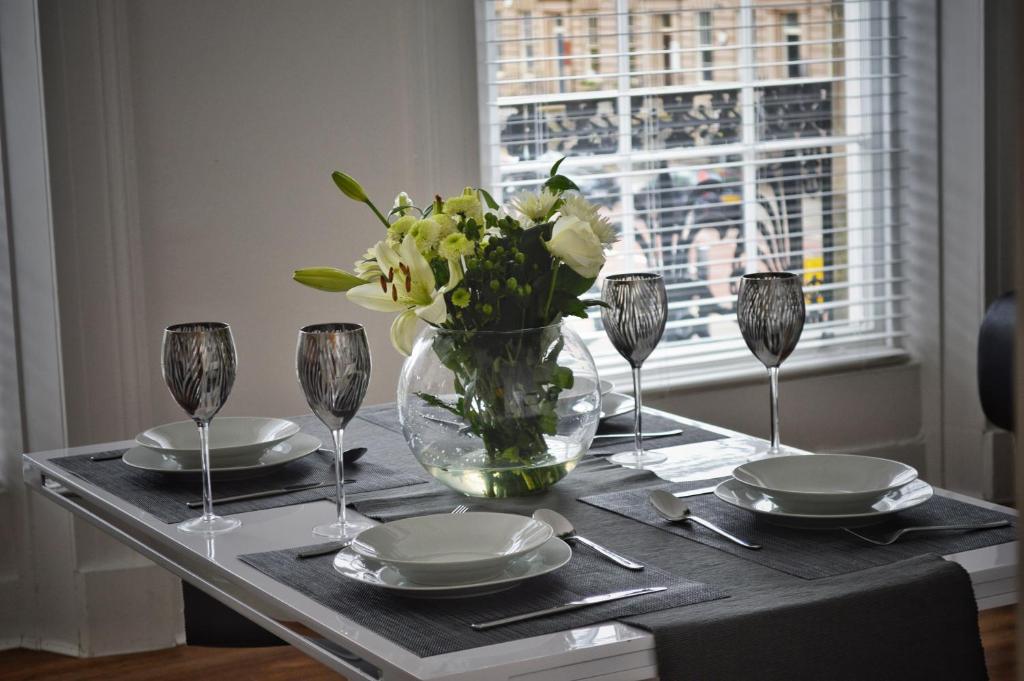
{"points": [[290, 450], [828, 480], [553, 554], [614, 404], [752, 499], [448, 549], [229, 436]]}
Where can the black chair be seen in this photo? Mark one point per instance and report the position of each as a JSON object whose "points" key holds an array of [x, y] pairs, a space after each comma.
{"points": [[210, 623], [995, 361]]}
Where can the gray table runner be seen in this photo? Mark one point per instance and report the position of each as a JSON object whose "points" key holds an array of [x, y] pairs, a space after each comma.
{"points": [[165, 496], [812, 554], [652, 423], [914, 620], [433, 627]]}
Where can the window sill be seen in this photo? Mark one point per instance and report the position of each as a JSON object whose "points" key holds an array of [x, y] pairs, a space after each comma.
{"points": [[755, 374]]}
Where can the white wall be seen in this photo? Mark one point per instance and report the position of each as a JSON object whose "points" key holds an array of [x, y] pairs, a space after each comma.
{"points": [[241, 110]]}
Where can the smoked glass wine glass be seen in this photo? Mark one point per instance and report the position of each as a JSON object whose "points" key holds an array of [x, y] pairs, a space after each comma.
{"points": [[198, 363], [770, 310], [635, 321], [333, 365]]}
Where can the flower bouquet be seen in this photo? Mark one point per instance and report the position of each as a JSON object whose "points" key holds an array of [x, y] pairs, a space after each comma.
{"points": [[493, 285]]}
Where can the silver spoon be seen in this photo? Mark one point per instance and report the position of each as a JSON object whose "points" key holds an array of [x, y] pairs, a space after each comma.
{"points": [[675, 510], [564, 529], [349, 456]]}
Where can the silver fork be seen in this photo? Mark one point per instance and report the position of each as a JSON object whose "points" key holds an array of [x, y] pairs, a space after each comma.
{"points": [[894, 536], [461, 508]]}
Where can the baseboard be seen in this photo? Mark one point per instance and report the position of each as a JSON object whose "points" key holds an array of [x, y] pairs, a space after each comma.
{"points": [[11, 643], [53, 646]]}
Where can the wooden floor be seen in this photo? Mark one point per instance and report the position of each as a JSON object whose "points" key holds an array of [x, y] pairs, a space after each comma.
{"points": [[285, 664]]}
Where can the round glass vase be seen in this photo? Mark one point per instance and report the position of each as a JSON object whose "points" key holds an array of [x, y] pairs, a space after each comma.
{"points": [[499, 413]]}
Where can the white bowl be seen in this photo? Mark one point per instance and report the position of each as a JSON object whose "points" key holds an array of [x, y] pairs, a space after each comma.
{"points": [[825, 479], [448, 549], [230, 436]]}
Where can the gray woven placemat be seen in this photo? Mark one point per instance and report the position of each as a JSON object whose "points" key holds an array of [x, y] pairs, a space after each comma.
{"points": [[812, 554], [386, 416], [165, 495], [434, 627]]}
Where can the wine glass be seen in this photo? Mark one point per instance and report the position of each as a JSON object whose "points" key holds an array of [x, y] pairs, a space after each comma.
{"points": [[770, 310], [333, 365], [635, 321], [198, 364]]}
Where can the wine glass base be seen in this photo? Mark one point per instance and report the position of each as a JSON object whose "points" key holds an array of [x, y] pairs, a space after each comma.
{"points": [[763, 450], [209, 525], [631, 460], [338, 530]]}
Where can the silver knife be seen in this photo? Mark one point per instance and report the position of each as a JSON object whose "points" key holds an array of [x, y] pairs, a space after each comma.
{"points": [[572, 605], [106, 457], [664, 433], [266, 493], [324, 549], [695, 492]]}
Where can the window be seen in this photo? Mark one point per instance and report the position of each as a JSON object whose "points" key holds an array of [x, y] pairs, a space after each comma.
{"points": [[592, 39], [707, 55], [720, 138], [791, 31], [527, 44]]}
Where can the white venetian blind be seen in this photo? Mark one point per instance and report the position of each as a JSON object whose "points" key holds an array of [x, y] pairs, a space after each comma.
{"points": [[721, 137]]}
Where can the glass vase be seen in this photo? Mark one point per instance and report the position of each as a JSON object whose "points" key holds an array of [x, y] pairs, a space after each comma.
{"points": [[499, 413]]}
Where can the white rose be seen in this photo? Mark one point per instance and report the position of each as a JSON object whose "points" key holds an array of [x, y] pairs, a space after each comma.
{"points": [[575, 243]]}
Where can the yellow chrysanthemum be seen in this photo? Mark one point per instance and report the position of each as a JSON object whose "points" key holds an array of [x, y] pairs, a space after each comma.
{"points": [[446, 224], [399, 228], [455, 246], [467, 204], [460, 298], [426, 233]]}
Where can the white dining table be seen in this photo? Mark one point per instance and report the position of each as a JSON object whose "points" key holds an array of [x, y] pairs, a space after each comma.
{"points": [[610, 652]]}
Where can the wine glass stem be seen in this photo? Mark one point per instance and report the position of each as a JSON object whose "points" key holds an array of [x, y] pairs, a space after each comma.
{"points": [[638, 438], [773, 382], [204, 454], [339, 476]]}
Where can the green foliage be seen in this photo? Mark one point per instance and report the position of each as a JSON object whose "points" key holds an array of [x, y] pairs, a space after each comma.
{"points": [[560, 183], [508, 385]]}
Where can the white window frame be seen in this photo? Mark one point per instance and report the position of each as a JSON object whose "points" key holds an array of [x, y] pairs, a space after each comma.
{"points": [[871, 175]]}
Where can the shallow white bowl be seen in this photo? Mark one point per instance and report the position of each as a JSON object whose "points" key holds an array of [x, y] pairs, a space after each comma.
{"points": [[825, 479], [584, 384], [451, 549], [229, 436], [260, 462], [734, 492], [553, 554], [616, 404]]}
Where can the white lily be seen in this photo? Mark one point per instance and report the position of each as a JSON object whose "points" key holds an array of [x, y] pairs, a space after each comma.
{"points": [[408, 287]]}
